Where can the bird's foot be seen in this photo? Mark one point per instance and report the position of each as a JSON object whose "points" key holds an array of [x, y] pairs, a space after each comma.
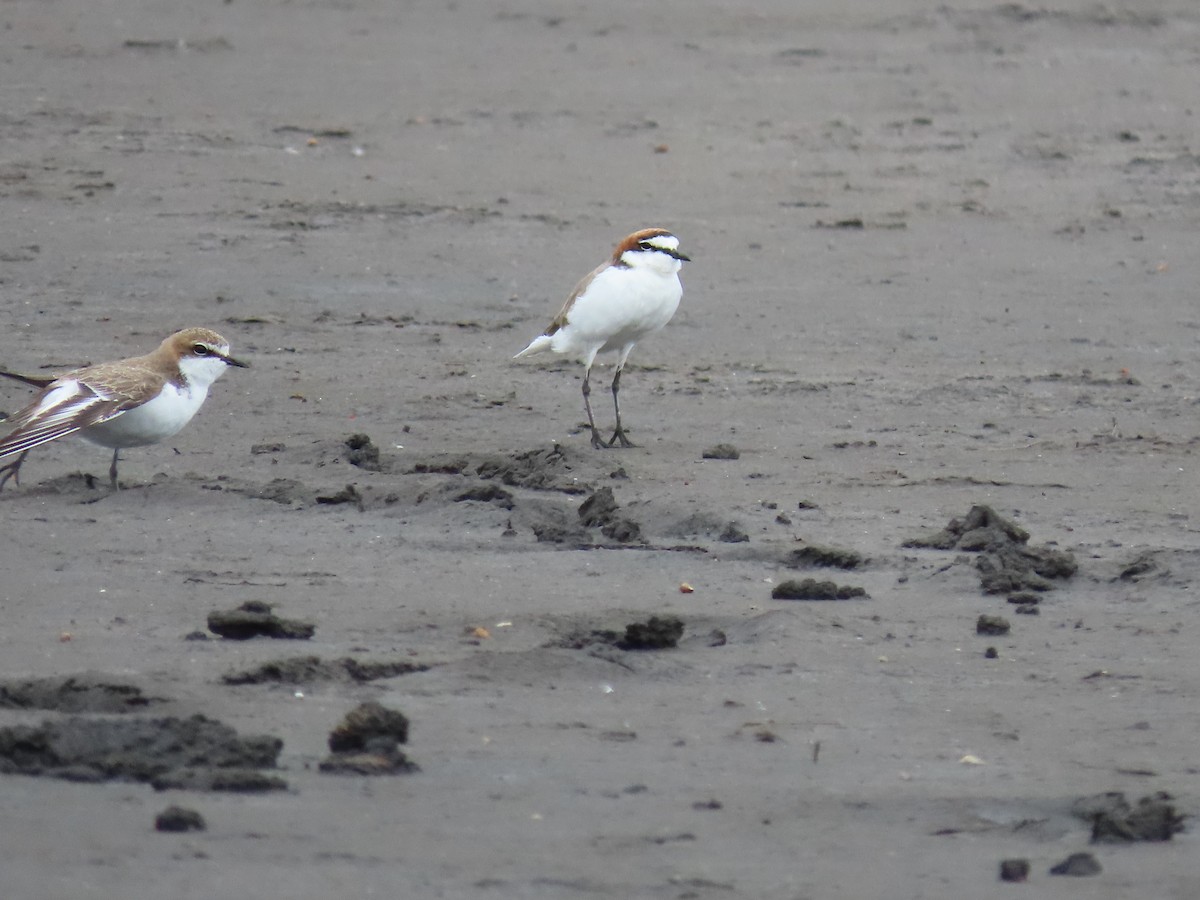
{"points": [[619, 437], [597, 441], [13, 471]]}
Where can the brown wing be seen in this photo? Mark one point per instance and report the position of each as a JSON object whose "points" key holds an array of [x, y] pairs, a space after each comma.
{"points": [[561, 319], [77, 401]]}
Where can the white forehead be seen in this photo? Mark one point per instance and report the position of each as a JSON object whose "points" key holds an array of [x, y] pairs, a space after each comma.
{"points": [[663, 241]]}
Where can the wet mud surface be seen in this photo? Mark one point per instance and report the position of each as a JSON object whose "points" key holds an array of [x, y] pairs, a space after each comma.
{"points": [[938, 344]]}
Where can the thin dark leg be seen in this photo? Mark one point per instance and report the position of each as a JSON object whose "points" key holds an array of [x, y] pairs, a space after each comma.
{"points": [[112, 471], [597, 441], [619, 434], [13, 471]]}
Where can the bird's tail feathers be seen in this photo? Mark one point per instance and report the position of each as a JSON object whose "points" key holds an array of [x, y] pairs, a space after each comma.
{"points": [[539, 344], [38, 381]]}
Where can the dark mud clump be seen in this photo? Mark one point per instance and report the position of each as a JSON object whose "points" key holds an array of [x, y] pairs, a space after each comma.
{"points": [[83, 693], [733, 534], [366, 722], [1022, 569], [1078, 865], [179, 819], [722, 451], [348, 494], [367, 742], [231, 781], [980, 529], [707, 525], [1115, 821], [811, 589], [312, 669], [487, 493], [656, 633], [362, 452], [1025, 603], [202, 752], [1006, 562], [584, 639], [1142, 564], [555, 533], [544, 470], [598, 508], [255, 619], [281, 490], [600, 511], [814, 556], [452, 466], [1024, 599], [1014, 870], [992, 625]]}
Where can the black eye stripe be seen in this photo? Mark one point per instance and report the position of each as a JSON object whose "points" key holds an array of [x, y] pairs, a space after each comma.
{"points": [[674, 254], [648, 247]]}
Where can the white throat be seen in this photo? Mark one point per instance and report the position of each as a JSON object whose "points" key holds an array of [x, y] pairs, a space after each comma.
{"points": [[201, 371], [651, 260]]}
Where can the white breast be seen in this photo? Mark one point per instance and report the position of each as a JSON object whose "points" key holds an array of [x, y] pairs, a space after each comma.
{"points": [[151, 422], [619, 307]]}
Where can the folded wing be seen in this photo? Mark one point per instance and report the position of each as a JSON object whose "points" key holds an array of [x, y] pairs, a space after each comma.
{"points": [[67, 406]]}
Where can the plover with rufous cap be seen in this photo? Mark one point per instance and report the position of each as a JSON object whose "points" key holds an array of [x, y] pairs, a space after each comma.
{"points": [[631, 295], [128, 403]]}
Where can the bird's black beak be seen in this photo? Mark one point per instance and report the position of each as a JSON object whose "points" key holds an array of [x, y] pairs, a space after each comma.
{"points": [[230, 361], [682, 257]]}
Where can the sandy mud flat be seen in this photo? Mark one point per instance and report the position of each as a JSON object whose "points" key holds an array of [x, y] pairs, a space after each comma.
{"points": [[895, 597]]}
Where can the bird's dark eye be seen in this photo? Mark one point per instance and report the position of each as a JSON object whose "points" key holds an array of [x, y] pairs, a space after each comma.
{"points": [[200, 350], [645, 245]]}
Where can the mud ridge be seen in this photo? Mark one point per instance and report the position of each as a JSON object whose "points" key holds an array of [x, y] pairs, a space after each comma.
{"points": [[197, 752]]}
